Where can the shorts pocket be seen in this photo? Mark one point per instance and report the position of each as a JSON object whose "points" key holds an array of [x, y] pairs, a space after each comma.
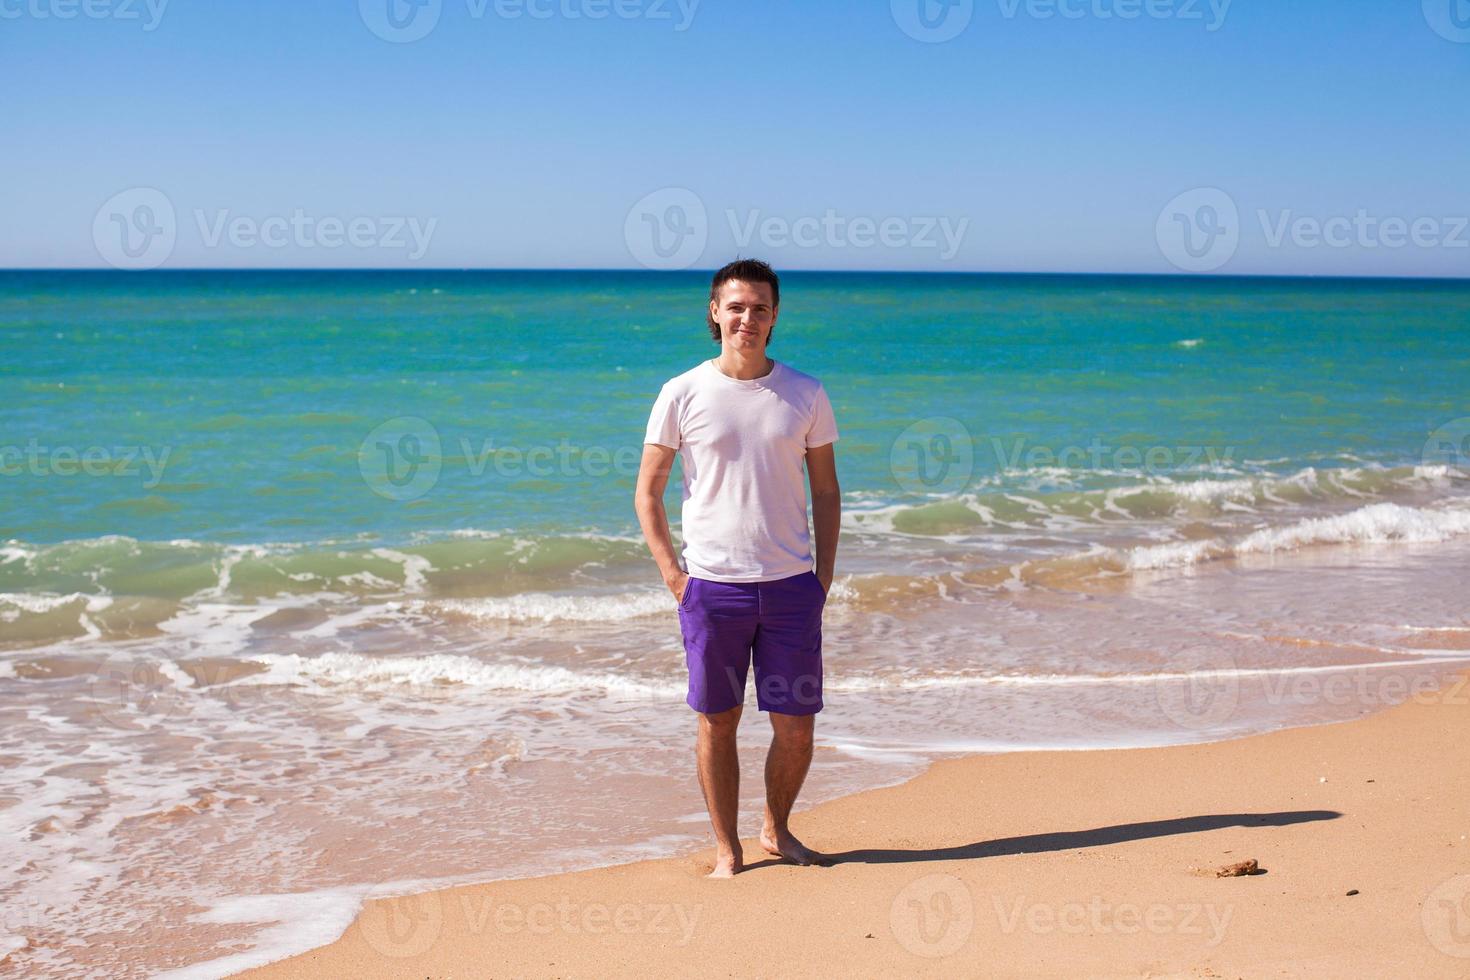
{"points": [[688, 590]]}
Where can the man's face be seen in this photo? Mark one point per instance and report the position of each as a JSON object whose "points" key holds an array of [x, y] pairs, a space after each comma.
{"points": [[745, 315]]}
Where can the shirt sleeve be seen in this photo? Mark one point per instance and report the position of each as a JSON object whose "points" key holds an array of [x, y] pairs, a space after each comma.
{"points": [[663, 422], [824, 423]]}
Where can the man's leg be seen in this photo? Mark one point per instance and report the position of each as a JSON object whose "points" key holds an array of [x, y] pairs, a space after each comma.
{"points": [[719, 778], [788, 683], [787, 763]]}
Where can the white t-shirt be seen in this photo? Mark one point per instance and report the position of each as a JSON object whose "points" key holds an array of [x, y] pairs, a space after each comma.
{"points": [[743, 447]]}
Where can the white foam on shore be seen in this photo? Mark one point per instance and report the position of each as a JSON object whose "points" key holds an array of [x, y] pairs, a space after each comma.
{"points": [[443, 668], [44, 602], [295, 923], [1382, 523], [452, 669], [415, 568], [547, 607]]}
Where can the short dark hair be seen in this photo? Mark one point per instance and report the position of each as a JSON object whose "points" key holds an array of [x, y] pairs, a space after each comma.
{"points": [[746, 270]]}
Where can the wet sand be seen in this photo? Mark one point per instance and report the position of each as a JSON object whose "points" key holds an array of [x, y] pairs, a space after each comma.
{"points": [[1032, 863]]}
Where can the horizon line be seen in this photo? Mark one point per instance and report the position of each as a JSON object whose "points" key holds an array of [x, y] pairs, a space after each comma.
{"points": [[1183, 276]]}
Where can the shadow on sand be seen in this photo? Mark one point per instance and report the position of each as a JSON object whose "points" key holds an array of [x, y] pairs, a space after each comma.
{"points": [[1068, 840]]}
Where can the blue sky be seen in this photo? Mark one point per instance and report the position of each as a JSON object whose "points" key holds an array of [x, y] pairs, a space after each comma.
{"points": [[1049, 135]]}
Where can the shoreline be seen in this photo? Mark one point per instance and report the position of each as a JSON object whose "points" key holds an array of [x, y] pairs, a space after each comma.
{"points": [[941, 874]]}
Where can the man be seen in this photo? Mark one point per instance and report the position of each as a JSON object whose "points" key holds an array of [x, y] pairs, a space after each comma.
{"points": [[743, 425]]}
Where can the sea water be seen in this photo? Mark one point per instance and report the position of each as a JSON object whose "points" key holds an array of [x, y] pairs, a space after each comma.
{"points": [[316, 586]]}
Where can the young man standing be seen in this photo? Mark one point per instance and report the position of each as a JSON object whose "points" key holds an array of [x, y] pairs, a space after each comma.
{"points": [[744, 425]]}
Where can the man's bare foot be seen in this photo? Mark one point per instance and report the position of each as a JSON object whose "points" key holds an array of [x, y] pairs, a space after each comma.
{"points": [[727, 866], [787, 846]]}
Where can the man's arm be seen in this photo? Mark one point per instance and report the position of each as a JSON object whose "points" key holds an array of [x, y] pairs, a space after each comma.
{"points": [[648, 502], [821, 473]]}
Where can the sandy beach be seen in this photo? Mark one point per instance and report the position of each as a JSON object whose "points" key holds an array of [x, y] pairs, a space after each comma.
{"points": [[1096, 863]]}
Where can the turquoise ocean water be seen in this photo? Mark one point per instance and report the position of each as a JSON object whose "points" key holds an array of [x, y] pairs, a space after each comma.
{"points": [[261, 387], [288, 560]]}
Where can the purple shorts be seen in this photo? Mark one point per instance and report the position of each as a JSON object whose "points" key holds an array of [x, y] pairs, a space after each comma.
{"points": [[778, 624]]}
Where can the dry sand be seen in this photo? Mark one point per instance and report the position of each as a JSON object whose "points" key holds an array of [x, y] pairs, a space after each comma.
{"points": [[1025, 864]]}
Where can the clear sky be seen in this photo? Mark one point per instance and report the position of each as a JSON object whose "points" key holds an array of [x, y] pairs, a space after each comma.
{"points": [[1043, 135]]}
